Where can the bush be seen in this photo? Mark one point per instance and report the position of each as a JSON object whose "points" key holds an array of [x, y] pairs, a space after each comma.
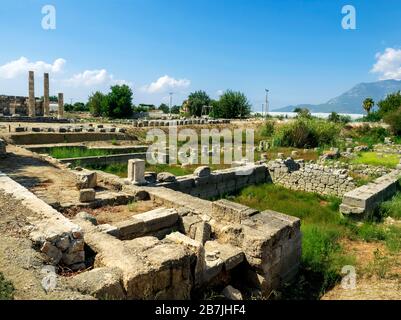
{"points": [[267, 129], [6, 289], [373, 116], [307, 133], [394, 120]]}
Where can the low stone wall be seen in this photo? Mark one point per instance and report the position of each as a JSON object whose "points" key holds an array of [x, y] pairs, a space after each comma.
{"points": [[220, 182], [104, 160], [365, 200], [56, 236], [46, 138], [38, 119], [181, 122], [297, 175], [269, 241]]}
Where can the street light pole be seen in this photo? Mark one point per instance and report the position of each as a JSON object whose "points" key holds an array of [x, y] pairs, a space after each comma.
{"points": [[171, 103], [267, 102]]}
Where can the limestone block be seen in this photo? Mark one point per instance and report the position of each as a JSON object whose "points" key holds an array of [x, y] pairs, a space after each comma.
{"points": [[158, 219], [231, 212], [203, 171], [52, 252], [86, 180], [102, 283], [131, 228], [166, 177], [232, 256], [194, 246], [232, 294], [203, 231], [87, 195]]}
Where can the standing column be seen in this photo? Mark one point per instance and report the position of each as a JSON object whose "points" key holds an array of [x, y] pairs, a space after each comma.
{"points": [[31, 99], [60, 105], [136, 171], [46, 101]]}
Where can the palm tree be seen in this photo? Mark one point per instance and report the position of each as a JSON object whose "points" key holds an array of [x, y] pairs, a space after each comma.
{"points": [[368, 104]]}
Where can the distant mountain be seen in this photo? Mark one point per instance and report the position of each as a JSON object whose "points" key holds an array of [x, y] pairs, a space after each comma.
{"points": [[351, 101]]}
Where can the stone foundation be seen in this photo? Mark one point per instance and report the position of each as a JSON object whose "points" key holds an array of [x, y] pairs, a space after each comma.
{"points": [[297, 175], [365, 200]]}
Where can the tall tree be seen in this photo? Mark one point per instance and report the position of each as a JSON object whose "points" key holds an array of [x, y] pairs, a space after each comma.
{"points": [[390, 104], [196, 101], [232, 104], [368, 104], [97, 104], [119, 102]]}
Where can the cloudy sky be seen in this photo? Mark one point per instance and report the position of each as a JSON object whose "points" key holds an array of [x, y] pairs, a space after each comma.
{"points": [[296, 48]]}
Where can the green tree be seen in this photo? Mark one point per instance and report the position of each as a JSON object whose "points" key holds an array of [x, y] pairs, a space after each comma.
{"points": [[303, 113], [368, 104], [119, 102], [175, 109], [97, 104], [390, 104], [164, 107], [232, 104], [394, 120], [334, 117], [195, 102]]}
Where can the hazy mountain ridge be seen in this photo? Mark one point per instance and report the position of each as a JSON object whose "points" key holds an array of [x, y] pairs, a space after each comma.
{"points": [[351, 101]]}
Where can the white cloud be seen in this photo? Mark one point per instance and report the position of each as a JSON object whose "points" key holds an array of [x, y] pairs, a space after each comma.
{"points": [[219, 92], [166, 83], [21, 66], [388, 64], [92, 78]]}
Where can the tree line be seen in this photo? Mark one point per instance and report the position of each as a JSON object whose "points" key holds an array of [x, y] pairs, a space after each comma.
{"points": [[117, 103]]}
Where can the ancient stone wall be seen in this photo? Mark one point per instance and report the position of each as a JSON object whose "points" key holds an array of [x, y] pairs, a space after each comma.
{"points": [[220, 182], [53, 234], [297, 175], [365, 200], [10, 105]]}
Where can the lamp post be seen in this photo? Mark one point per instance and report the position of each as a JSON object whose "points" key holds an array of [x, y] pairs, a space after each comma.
{"points": [[267, 102]]}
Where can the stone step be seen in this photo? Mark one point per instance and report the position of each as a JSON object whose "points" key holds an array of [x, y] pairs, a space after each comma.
{"points": [[146, 223], [230, 255]]}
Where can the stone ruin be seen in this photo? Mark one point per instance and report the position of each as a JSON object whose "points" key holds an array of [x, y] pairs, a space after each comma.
{"points": [[180, 248], [30, 106]]}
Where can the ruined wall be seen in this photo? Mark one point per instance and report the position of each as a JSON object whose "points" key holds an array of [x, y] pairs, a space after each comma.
{"points": [[297, 175], [220, 182], [10, 105], [53, 234], [365, 200]]}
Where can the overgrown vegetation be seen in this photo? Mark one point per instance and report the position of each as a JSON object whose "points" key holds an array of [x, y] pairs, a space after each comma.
{"points": [[306, 133], [373, 159], [75, 152], [6, 289], [323, 228]]}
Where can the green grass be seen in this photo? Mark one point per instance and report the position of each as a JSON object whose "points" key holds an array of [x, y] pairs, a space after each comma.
{"points": [[322, 227], [392, 208], [6, 289], [372, 158], [73, 152]]}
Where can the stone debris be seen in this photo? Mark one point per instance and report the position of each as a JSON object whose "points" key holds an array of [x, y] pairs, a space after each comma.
{"points": [[86, 179], [232, 294], [3, 151]]}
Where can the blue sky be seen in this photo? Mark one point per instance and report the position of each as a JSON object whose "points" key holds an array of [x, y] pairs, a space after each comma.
{"points": [[296, 48]]}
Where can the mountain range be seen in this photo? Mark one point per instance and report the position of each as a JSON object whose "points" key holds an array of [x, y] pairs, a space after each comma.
{"points": [[351, 101]]}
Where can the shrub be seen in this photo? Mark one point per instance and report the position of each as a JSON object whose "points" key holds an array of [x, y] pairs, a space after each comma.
{"points": [[6, 289], [394, 120], [307, 133], [267, 129]]}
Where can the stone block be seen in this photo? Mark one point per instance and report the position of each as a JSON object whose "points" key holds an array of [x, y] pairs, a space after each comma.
{"points": [[230, 211], [86, 180], [87, 195], [203, 171], [230, 255], [130, 229], [158, 219]]}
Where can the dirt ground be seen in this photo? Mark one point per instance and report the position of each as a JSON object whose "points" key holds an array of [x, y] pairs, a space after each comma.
{"points": [[378, 273], [48, 182], [19, 262], [116, 214]]}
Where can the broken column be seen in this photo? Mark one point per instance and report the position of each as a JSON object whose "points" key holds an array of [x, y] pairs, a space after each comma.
{"points": [[136, 171], [46, 100], [60, 105], [31, 100]]}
